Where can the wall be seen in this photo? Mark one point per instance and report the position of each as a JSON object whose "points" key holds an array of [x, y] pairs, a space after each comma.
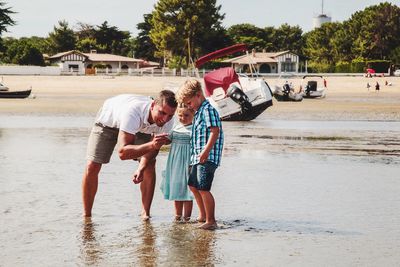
{"points": [[29, 70]]}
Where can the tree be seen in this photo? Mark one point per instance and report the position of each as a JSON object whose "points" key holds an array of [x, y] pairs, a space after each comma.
{"points": [[144, 46], [376, 31], [186, 28], [5, 19], [318, 45], [110, 39], [248, 34], [23, 52], [288, 37], [62, 38]]}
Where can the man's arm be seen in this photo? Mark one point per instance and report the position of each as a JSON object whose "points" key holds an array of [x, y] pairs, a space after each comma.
{"points": [[127, 150], [210, 143], [144, 162]]}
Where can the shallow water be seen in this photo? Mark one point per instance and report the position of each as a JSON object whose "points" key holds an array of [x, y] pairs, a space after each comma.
{"points": [[288, 193]]}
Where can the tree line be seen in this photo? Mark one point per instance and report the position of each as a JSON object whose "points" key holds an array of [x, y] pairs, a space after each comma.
{"points": [[176, 32]]}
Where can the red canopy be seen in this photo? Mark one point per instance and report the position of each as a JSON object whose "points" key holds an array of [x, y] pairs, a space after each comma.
{"points": [[371, 71], [220, 53], [222, 77]]}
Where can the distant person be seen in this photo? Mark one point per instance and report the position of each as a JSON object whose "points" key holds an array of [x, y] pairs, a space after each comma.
{"points": [[206, 145], [377, 87], [138, 124], [174, 185]]}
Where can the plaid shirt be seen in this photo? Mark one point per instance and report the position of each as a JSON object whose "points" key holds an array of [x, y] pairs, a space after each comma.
{"points": [[206, 116]]}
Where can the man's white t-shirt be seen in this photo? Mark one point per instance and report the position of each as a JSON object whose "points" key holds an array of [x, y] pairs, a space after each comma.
{"points": [[130, 113]]}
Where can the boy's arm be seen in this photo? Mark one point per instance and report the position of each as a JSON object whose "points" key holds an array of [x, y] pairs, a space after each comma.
{"points": [[210, 143]]}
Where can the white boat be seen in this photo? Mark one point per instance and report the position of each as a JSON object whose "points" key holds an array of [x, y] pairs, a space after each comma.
{"points": [[236, 98], [285, 91], [313, 86]]}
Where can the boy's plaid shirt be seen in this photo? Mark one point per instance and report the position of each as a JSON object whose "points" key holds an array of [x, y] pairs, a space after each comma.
{"points": [[206, 116]]}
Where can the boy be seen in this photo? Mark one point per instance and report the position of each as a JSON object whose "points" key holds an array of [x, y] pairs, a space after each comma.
{"points": [[205, 150]]}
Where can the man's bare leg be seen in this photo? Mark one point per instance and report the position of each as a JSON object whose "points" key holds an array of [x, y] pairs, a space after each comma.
{"points": [[90, 183], [147, 188]]}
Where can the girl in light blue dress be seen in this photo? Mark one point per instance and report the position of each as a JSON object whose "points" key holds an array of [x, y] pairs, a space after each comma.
{"points": [[175, 177]]}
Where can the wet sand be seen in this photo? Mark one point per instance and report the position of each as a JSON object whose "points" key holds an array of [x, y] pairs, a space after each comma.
{"points": [[306, 184]]}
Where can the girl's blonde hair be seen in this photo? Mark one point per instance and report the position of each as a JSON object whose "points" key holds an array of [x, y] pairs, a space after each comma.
{"points": [[188, 90]]}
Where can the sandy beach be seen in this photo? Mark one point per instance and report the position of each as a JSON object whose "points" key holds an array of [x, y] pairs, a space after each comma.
{"points": [[347, 98], [311, 183]]}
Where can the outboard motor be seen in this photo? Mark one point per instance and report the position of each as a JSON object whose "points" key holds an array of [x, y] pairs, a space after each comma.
{"points": [[286, 89], [239, 97]]}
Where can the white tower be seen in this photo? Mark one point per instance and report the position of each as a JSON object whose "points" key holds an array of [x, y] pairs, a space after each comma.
{"points": [[321, 18]]}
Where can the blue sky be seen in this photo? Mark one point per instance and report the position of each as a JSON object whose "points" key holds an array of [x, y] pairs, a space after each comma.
{"points": [[38, 17]]}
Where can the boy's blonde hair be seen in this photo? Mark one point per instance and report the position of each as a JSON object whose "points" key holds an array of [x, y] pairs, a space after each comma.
{"points": [[188, 90]]}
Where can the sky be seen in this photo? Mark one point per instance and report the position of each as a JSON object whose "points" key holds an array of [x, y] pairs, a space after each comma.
{"points": [[38, 17]]}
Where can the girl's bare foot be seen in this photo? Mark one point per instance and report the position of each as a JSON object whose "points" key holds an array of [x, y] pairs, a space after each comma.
{"points": [[201, 220]]}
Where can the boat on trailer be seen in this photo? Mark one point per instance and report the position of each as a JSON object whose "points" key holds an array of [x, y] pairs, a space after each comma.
{"points": [[237, 98]]}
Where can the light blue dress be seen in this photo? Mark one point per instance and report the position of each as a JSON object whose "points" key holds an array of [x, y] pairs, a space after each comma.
{"points": [[175, 177]]}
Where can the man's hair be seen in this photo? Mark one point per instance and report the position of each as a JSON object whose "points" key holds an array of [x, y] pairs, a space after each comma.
{"points": [[167, 97], [188, 90]]}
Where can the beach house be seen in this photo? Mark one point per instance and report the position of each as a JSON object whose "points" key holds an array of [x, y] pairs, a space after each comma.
{"points": [[86, 63], [271, 62]]}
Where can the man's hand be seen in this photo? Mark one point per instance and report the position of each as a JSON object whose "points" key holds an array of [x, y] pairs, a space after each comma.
{"points": [[159, 140], [138, 176]]}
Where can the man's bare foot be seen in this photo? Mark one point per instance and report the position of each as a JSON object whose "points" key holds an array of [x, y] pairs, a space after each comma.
{"points": [[145, 216], [208, 226], [178, 218]]}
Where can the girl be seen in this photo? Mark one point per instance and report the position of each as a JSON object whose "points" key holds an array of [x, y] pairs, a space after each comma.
{"points": [[175, 177]]}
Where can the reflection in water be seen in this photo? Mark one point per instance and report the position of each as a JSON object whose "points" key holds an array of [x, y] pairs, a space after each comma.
{"points": [[147, 252], [188, 246], [90, 249]]}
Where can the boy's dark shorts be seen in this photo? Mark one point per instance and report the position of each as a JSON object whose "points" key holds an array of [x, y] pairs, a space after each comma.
{"points": [[201, 176]]}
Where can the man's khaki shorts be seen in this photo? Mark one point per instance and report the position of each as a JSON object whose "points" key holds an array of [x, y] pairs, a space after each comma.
{"points": [[102, 141]]}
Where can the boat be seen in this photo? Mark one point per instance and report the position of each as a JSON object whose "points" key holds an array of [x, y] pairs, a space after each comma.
{"points": [[313, 86], [285, 91], [6, 93], [237, 98]]}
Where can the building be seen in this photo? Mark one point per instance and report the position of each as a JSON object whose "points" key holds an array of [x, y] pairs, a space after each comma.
{"points": [[321, 18], [273, 62], [81, 63]]}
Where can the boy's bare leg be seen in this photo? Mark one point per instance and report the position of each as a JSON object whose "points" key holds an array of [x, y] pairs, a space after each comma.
{"points": [[209, 205], [147, 188], [187, 210], [200, 204], [90, 183], [178, 209]]}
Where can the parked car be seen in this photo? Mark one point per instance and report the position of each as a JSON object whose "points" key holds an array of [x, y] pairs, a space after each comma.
{"points": [[396, 72]]}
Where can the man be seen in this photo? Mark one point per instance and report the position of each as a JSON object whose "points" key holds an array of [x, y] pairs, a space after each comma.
{"points": [[139, 126]]}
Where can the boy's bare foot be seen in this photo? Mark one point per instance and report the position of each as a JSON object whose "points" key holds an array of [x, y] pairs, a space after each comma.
{"points": [[178, 218], [186, 219], [208, 226]]}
